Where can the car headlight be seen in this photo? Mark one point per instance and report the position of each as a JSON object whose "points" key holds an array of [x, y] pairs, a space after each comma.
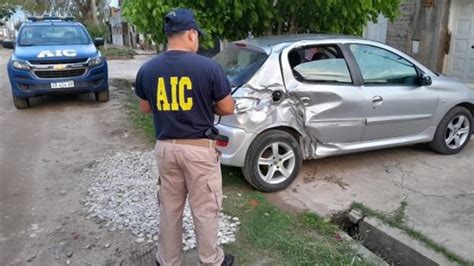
{"points": [[243, 104], [95, 61], [21, 65]]}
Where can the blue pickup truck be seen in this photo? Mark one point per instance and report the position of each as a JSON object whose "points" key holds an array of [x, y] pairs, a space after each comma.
{"points": [[55, 55]]}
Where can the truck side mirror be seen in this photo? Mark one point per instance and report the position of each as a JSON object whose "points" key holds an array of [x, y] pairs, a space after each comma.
{"points": [[99, 42]]}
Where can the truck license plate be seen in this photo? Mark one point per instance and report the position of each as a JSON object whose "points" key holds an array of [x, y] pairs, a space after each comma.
{"points": [[62, 85]]}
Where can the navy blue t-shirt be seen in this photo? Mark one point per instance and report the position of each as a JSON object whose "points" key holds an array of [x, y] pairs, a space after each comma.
{"points": [[181, 88]]}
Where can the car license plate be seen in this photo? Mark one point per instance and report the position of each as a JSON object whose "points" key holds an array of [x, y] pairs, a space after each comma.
{"points": [[62, 85]]}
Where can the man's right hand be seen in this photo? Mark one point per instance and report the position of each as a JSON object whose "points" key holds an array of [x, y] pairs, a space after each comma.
{"points": [[225, 106]]}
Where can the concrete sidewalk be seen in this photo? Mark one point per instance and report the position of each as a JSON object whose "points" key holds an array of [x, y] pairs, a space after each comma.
{"points": [[439, 190]]}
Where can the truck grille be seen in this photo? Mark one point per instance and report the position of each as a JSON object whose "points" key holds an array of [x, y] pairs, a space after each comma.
{"points": [[47, 74], [53, 62]]}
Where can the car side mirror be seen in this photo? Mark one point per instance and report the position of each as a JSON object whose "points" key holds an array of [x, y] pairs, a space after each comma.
{"points": [[99, 42], [425, 80], [8, 44]]}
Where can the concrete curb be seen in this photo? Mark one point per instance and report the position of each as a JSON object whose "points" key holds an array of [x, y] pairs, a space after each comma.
{"points": [[395, 245], [365, 253]]}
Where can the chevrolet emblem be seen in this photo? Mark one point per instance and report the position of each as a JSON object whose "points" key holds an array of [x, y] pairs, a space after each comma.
{"points": [[59, 67]]}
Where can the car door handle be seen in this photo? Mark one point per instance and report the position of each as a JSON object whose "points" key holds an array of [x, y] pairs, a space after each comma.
{"points": [[377, 100]]}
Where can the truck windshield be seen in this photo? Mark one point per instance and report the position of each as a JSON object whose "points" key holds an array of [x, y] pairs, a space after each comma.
{"points": [[240, 63], [53, 35]]}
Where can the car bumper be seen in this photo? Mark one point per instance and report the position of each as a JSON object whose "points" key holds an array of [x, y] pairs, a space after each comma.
{"points": [[24, 83], [239, 142]]}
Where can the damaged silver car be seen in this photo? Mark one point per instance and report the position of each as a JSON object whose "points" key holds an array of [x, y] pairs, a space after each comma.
{"points": [[302, 97]]}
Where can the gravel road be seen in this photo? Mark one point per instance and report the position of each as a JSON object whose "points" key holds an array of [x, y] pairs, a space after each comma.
{"points": [[50, 154]]}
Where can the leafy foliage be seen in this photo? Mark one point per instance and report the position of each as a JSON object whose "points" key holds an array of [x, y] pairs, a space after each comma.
{"points": [[234, 19], [6, 11], [80, 9]]}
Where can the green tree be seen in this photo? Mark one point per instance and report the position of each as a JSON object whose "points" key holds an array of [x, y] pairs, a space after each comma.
{"points": [[233, 19], [6, 11], [80, 9], [330, 16]]}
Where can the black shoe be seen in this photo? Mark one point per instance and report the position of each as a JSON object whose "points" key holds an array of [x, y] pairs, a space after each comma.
{"points": [[157, 263], [228, 260]]}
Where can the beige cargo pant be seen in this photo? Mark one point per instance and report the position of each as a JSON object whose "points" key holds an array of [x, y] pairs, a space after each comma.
{"points": [[194, 171]]}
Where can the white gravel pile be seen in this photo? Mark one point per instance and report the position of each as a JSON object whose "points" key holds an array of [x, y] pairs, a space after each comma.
{"points": [[123, 197]]}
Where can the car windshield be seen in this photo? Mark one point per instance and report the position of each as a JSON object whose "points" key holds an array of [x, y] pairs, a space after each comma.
{"points": [[240, 63], [53, 35]]}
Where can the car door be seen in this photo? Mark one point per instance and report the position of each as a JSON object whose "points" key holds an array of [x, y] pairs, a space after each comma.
{"points": [[333, 100], [399, 105]]}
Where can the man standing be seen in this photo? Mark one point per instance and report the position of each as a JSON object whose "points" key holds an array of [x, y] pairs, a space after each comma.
{"points": [[184, 90]]}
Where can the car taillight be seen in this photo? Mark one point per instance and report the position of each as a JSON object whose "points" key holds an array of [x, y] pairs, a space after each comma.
{"points": [[222, 143]]}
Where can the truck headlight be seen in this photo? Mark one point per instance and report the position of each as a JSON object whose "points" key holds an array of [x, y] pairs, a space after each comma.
{"points": [[95, 61], [21, 65]]}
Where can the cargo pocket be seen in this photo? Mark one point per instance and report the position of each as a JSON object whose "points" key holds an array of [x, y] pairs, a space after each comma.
{"points": [[216, 191], [158, 191]]}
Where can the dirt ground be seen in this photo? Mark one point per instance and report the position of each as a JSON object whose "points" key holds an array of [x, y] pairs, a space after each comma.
{"points": [[47, 158]]}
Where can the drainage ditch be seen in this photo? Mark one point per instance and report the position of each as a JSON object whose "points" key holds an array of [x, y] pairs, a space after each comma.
{"points": [[389, 243]]}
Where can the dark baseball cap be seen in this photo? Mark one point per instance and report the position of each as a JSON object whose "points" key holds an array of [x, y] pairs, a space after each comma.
{"points": [[181, 19]]}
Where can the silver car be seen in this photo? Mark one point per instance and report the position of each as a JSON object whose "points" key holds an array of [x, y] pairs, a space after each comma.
{"points": [[302, 97]]}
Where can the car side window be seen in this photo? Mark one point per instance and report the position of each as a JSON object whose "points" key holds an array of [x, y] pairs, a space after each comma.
{"points": [[381, 67], [319, 64]]}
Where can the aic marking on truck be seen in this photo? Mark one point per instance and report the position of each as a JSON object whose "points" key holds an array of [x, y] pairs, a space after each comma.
{"points": [[57, 53]]}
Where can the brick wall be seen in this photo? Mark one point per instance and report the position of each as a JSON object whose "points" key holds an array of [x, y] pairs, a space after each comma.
{"points": [[426, 24], [399, 33]]}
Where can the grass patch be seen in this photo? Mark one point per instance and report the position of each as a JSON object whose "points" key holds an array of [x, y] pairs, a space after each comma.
{"points": [[117, 53], [268, 235], [142, 122], [396, 220]]}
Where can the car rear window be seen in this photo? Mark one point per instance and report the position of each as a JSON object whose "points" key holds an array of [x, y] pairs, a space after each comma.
{"points": [[240, 63], [319, 64], [53, 35]]}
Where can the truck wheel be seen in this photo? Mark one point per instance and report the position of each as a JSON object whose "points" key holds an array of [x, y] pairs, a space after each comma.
{"points": [[272, 161], [21, 103], [453, 132], [102, 96]]}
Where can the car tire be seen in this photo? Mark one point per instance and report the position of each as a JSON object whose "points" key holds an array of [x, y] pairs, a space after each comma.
{"points": [[453, 132], [21, 103], [273, 161], [102, 96]]}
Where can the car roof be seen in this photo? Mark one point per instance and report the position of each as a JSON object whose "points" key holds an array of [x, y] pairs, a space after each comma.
{"points": [[268, 43], [50, 23], [279, 39]]}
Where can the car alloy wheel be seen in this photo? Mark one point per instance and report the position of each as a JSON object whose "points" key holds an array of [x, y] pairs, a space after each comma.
{"points": [[273, 161], [276, 163], [453, 132], [458, 131]]}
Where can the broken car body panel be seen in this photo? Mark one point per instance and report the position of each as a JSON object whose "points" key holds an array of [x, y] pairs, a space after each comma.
{"points": [[330, 119]]}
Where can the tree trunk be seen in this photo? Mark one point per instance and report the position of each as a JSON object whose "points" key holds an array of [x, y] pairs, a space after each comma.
{"points": [[94, 13], [292, 28]]}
